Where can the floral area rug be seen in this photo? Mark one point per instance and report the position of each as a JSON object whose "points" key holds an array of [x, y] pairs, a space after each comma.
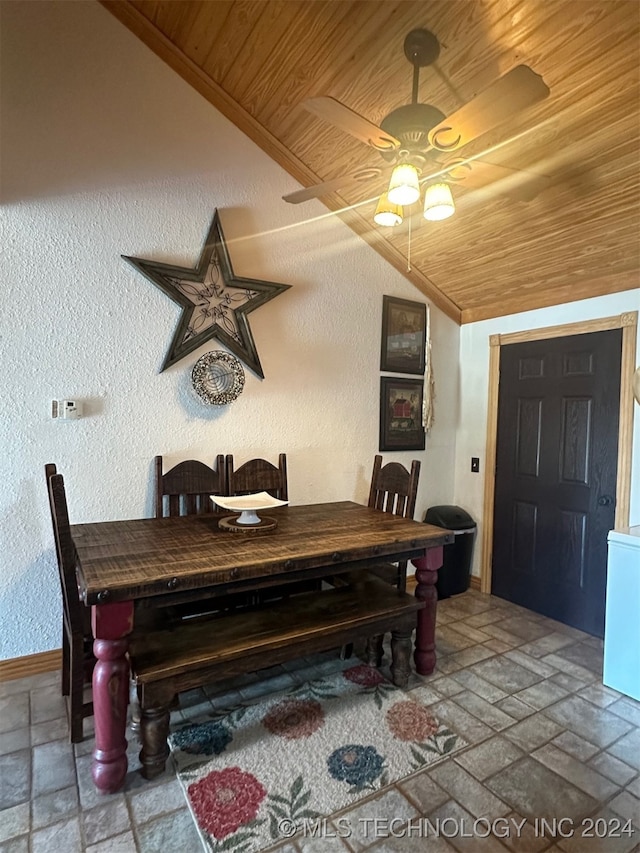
{"points": [[256, 771]]}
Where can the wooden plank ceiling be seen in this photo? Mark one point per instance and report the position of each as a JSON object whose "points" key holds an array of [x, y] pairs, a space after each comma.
{"points": [[257, 60]]}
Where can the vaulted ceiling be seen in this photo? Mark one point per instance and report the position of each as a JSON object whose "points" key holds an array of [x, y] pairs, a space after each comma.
{"points": [[577, 152]]}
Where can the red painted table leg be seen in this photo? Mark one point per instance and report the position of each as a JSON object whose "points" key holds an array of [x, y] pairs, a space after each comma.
{"points": [[111, 624], [426, 577]]}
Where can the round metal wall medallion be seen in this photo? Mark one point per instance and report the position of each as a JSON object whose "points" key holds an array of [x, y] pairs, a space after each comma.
{"points": [[217, 378]]}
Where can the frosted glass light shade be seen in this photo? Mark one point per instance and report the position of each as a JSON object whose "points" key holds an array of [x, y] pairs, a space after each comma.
{"points": [[403, 186], [438, 202], [387, 213]]}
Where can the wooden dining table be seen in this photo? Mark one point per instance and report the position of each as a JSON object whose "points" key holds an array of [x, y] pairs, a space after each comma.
{"points": [[126, 567]]}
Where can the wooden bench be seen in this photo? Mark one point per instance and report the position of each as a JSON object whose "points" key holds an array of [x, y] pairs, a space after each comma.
{"points": [[195, 652]]}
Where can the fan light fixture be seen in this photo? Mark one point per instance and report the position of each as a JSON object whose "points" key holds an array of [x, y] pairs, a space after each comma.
{"points": [[438, 205], [438, 202], [387, 213], [403, 186]]}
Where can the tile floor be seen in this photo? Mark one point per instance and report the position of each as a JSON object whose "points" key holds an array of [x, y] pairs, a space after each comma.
{"points": [[546, 741]]}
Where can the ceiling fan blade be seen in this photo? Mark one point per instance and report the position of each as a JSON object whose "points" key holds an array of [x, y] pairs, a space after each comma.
{"points": [[519, 88], [517, 184], [346, 119], [326, 187]]}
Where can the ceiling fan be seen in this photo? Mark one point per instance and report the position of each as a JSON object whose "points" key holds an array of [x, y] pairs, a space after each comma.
{"points": [[413, 138]]}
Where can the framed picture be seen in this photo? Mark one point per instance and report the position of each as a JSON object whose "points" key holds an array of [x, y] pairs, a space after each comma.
{"points": [[401, 414], [403, 335]]}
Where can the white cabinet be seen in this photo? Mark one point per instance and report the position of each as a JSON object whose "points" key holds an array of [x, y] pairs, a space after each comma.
{"points": [[622, 615]]}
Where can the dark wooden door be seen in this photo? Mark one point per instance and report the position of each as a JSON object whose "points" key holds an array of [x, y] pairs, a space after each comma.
{"points": [[557, 449]]}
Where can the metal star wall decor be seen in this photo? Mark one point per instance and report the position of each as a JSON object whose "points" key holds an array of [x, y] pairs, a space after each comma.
{"points": [[215, 301]]}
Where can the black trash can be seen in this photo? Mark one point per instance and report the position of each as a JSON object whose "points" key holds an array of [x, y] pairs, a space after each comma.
{"points": [[455, 574]]}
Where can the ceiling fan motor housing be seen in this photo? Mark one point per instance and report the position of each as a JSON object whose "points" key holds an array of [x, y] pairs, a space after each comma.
{"points": [[411, 124]]}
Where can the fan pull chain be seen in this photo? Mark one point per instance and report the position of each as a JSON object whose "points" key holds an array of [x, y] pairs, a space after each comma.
{"points": [[409, 248]]}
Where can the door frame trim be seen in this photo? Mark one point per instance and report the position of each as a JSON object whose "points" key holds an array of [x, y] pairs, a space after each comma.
{"points": [[628, 322]]}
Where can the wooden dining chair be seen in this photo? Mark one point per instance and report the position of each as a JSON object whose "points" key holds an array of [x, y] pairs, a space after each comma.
{"points": [[258, 475], [77, 639], [394, 489], [186, 488]]}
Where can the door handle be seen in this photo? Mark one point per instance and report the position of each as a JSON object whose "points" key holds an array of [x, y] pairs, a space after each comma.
{"points": [[606, 500]]}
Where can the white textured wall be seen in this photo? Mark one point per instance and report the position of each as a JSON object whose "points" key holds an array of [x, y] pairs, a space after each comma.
{"points": [[471, 433], [105, 151]]}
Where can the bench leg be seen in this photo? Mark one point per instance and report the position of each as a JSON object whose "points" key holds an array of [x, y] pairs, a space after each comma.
{"points": [[346, 651], [134, 711], [400, 655], [154, 731], [373, 650]]}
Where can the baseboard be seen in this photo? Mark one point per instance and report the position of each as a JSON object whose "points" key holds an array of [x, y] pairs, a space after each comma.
{"points": [[475, 582], [30, 665]]}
